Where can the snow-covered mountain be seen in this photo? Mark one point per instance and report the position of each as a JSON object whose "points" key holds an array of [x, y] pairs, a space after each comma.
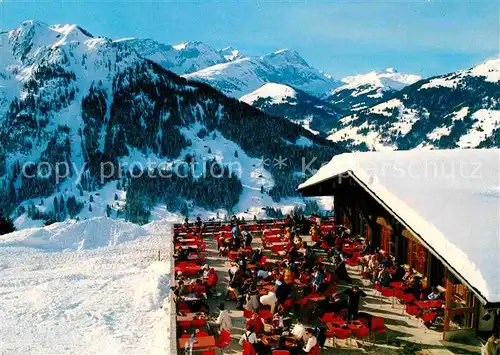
{"points": [[231, 53], [364, 90], [284, 101], [242, 76], [182, 58], [455, 110], [82, 103]]}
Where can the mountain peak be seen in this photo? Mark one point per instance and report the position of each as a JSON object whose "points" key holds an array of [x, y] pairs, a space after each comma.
{"points": [[391, 70]]}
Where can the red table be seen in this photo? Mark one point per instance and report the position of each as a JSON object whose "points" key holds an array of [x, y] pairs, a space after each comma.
{"points": [[192, 268], [429, 304], [199, 343]]}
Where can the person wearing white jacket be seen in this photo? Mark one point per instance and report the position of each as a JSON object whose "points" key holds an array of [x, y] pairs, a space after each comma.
{"points": [[269, 300], [224, 320]]}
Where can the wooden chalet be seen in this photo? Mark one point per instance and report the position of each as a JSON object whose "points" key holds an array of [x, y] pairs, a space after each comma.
{"points": [[436, 211]]}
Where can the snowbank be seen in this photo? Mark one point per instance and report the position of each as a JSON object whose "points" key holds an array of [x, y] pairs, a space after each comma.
{"points": [[109, 300], [71, 235]]}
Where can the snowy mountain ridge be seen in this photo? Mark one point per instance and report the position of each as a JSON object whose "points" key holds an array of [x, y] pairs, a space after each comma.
{"points": [[363, 90], [183, 58], [454, 110], [280, 100], [242, 76]]}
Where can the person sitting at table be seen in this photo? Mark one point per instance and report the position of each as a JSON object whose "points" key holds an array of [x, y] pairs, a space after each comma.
{"points": [[248, 238], [384, 277], [198, 223], [372, 263], [249, 335], [256, 256], [269, 300], [414, 287], [319, 277], [262, 274], [340, 269], [408, 276], [298, 330], [311, 342], [314, 232], [284, 292], [252, 299], [236, 237], [211, 281], [434, 295], [399, 272], [224, 319], [277, 321], [181, 254], [354, 295], [281, 345], [205, 270], [241, 260], [256, 322], [182, 288]]}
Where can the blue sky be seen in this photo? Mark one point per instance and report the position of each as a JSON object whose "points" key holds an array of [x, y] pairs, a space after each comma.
{"points": [[339, 37]]}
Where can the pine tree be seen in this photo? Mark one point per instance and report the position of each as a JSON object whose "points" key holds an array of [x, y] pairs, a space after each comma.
{"points": [[90, 207], [262, 189], [236, 154], [6, 225], [61, 204], [56, 205], [116, 197], [91, 199], [81, 190], [118, 186], [108, 210]]}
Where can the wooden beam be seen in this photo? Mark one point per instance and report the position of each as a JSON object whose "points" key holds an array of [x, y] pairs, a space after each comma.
{"points": [[447, 303]]}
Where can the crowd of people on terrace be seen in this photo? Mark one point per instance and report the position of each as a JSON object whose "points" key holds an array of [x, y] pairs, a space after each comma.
{"points": [[282, 300]]}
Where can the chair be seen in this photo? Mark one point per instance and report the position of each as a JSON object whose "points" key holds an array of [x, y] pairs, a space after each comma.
{"points": [[280, 352], [340, 333], [412, 310], [185, 336], [263, 260], [198, 323], [185, 325], [399, 294], [408, 299], [209, 352], [378, 326], [327, 317], [247, 313], [386, 292], [265, 315], [223, 340], [201, 334], [428, 317]]}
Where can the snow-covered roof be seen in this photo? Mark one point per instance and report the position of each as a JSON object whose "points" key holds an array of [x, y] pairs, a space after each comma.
{"points": [[449, 198]]}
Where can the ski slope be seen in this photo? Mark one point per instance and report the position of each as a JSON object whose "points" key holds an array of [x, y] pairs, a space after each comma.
{"points": [[93, 287]]}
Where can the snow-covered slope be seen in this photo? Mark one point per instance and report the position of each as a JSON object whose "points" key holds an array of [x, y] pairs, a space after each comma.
{"points": [[182, 58], [245, 75], [276, 93], [97, 300], [364, 90], [284, 101], [456, 110]]}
